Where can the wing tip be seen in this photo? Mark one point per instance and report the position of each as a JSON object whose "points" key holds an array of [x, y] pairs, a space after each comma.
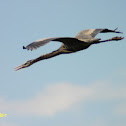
{"points": [[115, 30], [24, 47]]}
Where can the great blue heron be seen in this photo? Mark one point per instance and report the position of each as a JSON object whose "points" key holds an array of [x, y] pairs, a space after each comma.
{"points": [[81, 41]]}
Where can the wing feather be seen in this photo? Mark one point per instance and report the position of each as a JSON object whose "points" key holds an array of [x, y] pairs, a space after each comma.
{"points": [[42, 42], [91, 33], [36, 44]]}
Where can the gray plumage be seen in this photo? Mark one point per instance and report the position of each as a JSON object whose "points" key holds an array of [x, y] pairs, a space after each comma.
{"points": [[81, 41]]}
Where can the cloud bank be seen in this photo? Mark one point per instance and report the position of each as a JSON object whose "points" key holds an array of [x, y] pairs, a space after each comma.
{"points": [[62, 96]]}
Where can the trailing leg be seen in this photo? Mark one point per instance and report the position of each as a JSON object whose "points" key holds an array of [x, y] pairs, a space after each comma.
{"points": [[112, 39]]}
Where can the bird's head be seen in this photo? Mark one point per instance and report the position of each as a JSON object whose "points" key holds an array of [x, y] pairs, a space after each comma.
{"points": [[27, 64]]}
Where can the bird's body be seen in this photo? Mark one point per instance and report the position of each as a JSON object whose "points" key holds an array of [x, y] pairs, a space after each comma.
{"points": [[81, 41], [71, 45]]}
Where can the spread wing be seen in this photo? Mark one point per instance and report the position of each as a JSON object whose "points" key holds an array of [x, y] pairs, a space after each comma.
{"points": [[42, 42], [36, 44], [81, 36], [91, 33]]}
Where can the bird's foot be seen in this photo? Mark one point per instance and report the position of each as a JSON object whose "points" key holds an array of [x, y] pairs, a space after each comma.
{"points": [[27, 64], [117, 38]]}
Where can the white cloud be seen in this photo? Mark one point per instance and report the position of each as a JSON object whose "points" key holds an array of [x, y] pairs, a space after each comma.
{"points": [[62, 96], [55, 98]]}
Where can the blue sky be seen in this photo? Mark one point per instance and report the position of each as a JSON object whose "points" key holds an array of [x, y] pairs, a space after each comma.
{"points": [[83, 88]]}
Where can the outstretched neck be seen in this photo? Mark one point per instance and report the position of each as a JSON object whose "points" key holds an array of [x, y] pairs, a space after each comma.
{"points": [[47, 56]]}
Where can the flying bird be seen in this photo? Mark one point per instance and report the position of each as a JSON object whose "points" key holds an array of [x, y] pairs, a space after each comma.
{"points": [[81, 41]]}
